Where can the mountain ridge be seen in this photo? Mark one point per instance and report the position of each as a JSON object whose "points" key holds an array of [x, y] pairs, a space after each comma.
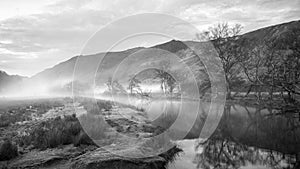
{"points": [[6, 80], [62, 73]]}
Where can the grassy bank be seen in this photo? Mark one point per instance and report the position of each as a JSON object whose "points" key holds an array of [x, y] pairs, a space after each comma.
{"points": [[61, 141]]}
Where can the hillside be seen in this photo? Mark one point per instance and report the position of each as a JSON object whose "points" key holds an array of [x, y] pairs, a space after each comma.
{"points": [[279, 31], [6, 81], [60, 76]]}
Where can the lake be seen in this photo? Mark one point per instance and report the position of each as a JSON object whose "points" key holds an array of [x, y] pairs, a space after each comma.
{"points": [[240, 137], [245, 138]]}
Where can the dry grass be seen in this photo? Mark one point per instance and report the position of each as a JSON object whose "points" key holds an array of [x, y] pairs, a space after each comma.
{"points": [[12, 111], [56, 132]]}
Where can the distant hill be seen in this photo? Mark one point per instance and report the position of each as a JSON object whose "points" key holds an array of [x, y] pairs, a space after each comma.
{"points": [[61, 75], [6, 81]]}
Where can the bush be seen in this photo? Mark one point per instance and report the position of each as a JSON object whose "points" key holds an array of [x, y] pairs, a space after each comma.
{"points": [[56, 132], [4, 123], [106, 105], [10, 117], [8, 150]]}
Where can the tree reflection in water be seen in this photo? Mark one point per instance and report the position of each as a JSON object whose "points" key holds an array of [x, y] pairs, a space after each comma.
{"points": [[262, 137], [228, 154]]}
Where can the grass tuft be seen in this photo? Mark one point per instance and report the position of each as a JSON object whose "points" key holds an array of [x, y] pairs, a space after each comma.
{"points": [[56, 132], [8, 150]]}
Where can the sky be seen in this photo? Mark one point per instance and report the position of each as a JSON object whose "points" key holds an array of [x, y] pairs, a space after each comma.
{"points": [[37, 34]]}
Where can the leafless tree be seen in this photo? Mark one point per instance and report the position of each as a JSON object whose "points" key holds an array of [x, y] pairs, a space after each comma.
{"points": [[109, 84], [114, 86], [253, 65], [134, 84], [168, 83], [283, 65], [223, 37]]}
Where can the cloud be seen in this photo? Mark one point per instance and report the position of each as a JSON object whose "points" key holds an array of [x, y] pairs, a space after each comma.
{"points": [[251, 14], [36, 36], [52, 31]]}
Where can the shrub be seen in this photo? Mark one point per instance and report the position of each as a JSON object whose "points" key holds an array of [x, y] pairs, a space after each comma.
{"points": [[56, 132], [4, 123], [8, 118], [8, 150], [106, 105]]}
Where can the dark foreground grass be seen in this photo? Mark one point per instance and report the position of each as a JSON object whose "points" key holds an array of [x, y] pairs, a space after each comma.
{"points": [[56, 132], [12, 111], [8, 150]]}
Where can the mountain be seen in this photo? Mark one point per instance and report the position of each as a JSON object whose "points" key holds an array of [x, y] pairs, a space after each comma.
{"points": [[7, 81], [279, 31], [83, 70], [85, 67]]}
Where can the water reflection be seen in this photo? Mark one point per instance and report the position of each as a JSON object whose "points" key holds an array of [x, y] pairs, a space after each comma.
{"points": [[246, 138], [223, 153]]}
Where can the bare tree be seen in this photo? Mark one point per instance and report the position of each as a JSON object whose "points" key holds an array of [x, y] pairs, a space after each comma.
{"points": [[253, 65], [144, 94], [283, 64], [114, 86], [109, 84], [134, 84], [223, 37], [118, 88], [168, 83]]}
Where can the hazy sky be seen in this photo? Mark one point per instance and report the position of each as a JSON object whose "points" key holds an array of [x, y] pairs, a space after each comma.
{"points": [[37, 34]]}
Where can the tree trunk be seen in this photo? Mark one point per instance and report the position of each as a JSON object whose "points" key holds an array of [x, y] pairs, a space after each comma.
{"points": [[228, 94]]}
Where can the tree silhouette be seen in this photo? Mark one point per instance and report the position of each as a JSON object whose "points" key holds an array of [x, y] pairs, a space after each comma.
{"points": [[167, 82], [223, 38], [134, 84], [114, 86]]}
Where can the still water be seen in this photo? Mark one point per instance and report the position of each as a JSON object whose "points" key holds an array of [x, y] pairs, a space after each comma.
{"points": [[243, 137]]}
